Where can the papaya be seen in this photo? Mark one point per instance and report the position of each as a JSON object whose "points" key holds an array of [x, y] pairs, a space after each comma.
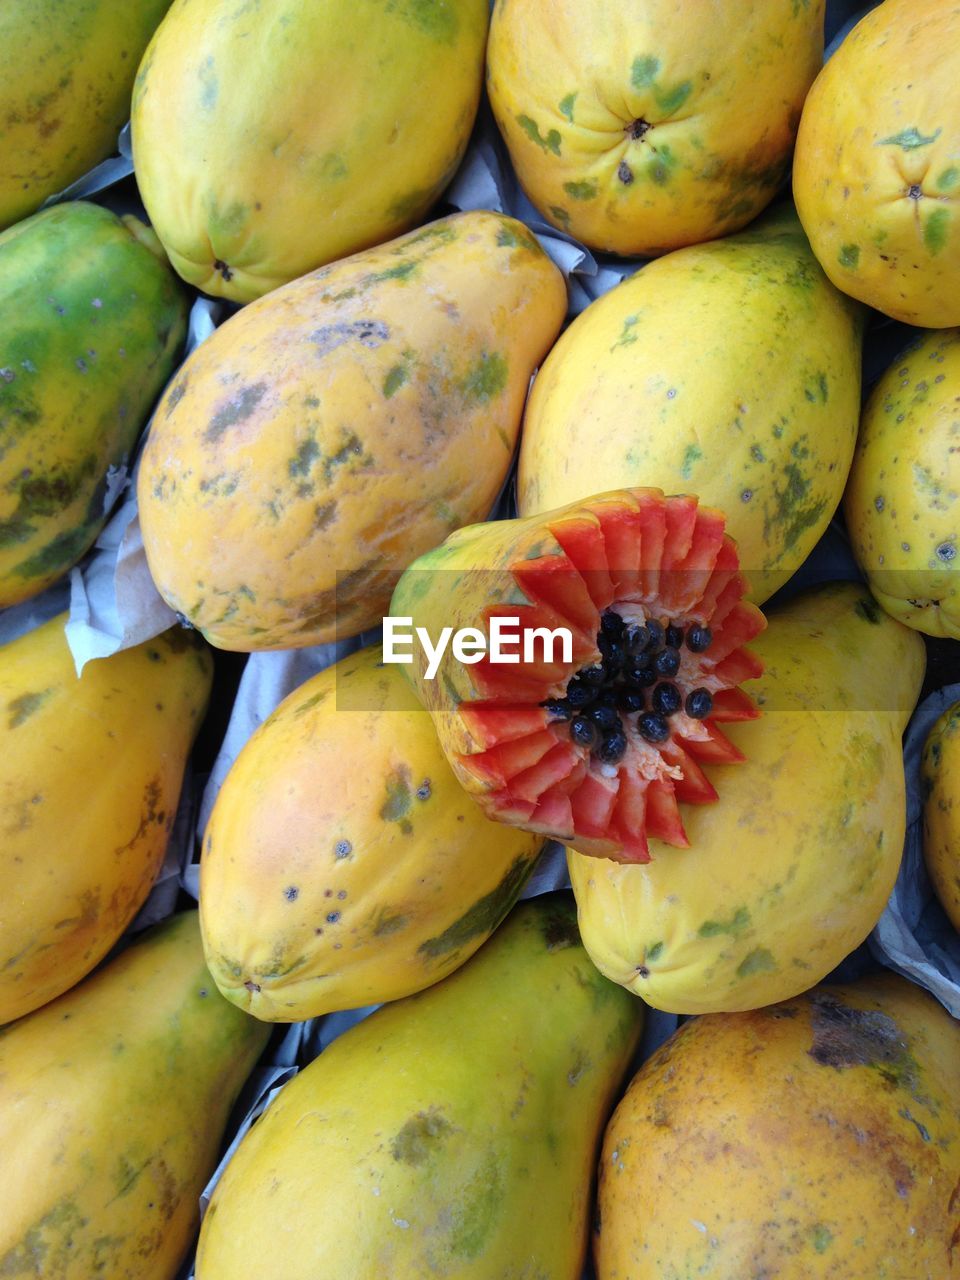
{"points": [[343, 865], [249, 181], [876, 171], [817, 1138], [901, 500], [638, 133], [66, 72], [940, 772], [594, 738], [450, 1134], [90, 777], [91, 323], [328, 434], [113, 1104], [730, 370], [791, 869]]}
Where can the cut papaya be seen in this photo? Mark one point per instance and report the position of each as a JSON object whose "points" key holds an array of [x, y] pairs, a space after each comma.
{"points": [[597, 744]]}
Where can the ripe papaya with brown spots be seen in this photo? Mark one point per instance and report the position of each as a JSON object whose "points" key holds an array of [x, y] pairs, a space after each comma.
{"points": [[789, 871], [66, 71], [451, 1134], [876, 173], [730, 370], [92, 319], [90, 775], [815, 1138], [272, 138], [638, 132], [113, 1104], [331, 432], [343, 864]]}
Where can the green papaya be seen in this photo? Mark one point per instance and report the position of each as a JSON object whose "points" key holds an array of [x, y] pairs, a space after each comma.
{"points": [[451, 1134], [92, 318], [113, 1103]]}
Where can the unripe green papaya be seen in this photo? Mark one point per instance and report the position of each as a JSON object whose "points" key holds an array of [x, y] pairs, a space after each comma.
{"points": [[91, 320], [452, 1134], [66, 71], [113, 1103]]}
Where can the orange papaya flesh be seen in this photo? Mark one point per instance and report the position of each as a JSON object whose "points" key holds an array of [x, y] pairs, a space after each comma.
{"points": [[600, 745]]}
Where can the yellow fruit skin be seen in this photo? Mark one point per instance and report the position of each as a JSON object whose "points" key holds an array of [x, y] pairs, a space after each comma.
{"points": [[640, 133], [901, 503], [245, 201], [815, 1139], [876, 174], [730, 370], [66, 71], [327, 435], [90, 775], [940, 770], [113, 1103], [789, 870], [452, 1134], [343, 864]]}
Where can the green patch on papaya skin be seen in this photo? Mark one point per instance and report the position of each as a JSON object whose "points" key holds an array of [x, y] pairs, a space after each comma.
{"points": [[671, 100], [19, 710], [909, 139], [560, 215], [868, 609], [581, 190], [394, 380], [935, 230], [693, 453], [550, 143], [565, 106], [433, 18], [48, 1246], [421, 1137], [849, 256], [517, 237], [739, 921], [948, 179], [399, 796], [483, 917], [821, 1237], [402, 271], [485, 379], [476, 1209], [654, 953], [307, 454], [791, 517], [760, 960], [644, 72], [238, 409], [40, 497], [59, 554], [627, 335], [209, 85], [313, 701], [387, 923]]}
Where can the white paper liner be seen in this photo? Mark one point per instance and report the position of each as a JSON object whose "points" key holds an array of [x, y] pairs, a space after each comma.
{"points": [[106, 174], [914, 935]]}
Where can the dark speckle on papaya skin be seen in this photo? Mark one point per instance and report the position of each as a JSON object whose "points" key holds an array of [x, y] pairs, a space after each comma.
{"points": [[176, 395], [238, 409], [869, 611], [369, 333], [19, 710], [291, 893]]}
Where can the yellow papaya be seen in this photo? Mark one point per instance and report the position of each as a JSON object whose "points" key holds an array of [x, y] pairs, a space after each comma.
{"points": [[343, 864], [328, 434], [876, 172], [89, 782], [113, 1104], [638, 132], [817, 1138], [248, 181], [91, 323], [451, 1134], [66, 72], [730, 370], [791, 868], [940, 770], [901, 501]]}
